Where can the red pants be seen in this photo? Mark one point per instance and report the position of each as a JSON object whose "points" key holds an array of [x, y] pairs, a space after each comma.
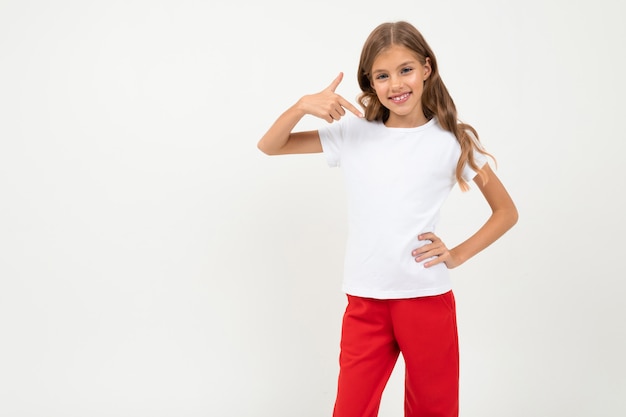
{"points": [[373, 335]]}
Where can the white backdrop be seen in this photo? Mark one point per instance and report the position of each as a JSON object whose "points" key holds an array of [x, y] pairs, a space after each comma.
{"points": [[154, 263]]}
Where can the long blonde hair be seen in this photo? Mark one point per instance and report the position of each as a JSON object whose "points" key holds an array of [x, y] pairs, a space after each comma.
{"points": [[436, 101]]}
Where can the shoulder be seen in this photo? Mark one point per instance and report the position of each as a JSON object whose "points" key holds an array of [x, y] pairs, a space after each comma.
{"points": [[350, 121], [434, 135], [437, 129], [348, 126]]}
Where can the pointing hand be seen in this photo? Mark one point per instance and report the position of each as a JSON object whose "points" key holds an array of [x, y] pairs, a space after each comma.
{"points": [[327, 104]]}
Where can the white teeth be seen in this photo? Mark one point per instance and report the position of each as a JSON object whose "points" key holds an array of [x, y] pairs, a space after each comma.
{"points": [[400, 98]]}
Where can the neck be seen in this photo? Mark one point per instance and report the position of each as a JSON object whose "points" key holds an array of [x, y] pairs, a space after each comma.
{"points": [[406, 121]]}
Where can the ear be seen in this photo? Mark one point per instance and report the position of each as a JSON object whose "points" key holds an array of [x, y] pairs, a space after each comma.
{"points": [[427, 69]]}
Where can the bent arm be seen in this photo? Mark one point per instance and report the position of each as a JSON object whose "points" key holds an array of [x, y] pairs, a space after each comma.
{"points": [[326, 104], [279, 140], [503, 216]]}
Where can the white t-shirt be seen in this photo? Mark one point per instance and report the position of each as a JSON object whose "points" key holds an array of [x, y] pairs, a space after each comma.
{"points": [[396, 181]]}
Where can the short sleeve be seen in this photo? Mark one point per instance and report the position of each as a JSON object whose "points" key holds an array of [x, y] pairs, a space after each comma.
{"points": [[331, 138], [468, 173]]}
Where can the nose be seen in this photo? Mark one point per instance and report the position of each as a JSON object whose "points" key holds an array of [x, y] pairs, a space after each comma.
{"points": [[396, 82]]}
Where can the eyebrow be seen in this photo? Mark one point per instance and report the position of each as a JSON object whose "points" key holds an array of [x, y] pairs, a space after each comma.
{"points": [[399, 66]]}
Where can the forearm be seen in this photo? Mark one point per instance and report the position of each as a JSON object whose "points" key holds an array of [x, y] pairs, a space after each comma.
{"points": [[498, 223], [278, 134]]}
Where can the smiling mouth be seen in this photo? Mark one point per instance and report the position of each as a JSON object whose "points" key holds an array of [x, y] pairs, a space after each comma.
{"points": [[401, 98]]}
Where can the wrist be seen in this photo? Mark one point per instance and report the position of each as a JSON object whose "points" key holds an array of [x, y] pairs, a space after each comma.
{"points": [[456, 258], [299, 108]]}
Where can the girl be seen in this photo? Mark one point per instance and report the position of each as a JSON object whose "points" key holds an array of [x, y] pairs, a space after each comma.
{"points": [[400, 159]]}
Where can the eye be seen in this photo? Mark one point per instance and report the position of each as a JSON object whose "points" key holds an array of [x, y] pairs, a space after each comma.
{"points": [[406, 70], [381, 77]]}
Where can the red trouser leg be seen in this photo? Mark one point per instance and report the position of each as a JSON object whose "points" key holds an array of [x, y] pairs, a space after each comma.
{"points": [[373, 334], [368, 355], [426, 332]]}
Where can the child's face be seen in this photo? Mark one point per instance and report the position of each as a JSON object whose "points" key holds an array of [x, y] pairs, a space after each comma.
{"points": [[398, 79]]}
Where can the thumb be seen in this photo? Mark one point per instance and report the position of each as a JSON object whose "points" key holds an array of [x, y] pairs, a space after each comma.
{"points": [[333, 86]]}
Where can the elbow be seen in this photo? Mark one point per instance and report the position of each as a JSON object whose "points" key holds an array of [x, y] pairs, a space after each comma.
{"points": [[267, 150], [507, 217], [513, 216], [260, 146]]}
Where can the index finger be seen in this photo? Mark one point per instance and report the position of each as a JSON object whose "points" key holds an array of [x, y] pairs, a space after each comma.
{"points": [[427, 236], [348, 106], [333, 86]]}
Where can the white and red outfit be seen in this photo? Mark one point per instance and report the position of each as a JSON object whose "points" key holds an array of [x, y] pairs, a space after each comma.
{"points": [[397, 180]]}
